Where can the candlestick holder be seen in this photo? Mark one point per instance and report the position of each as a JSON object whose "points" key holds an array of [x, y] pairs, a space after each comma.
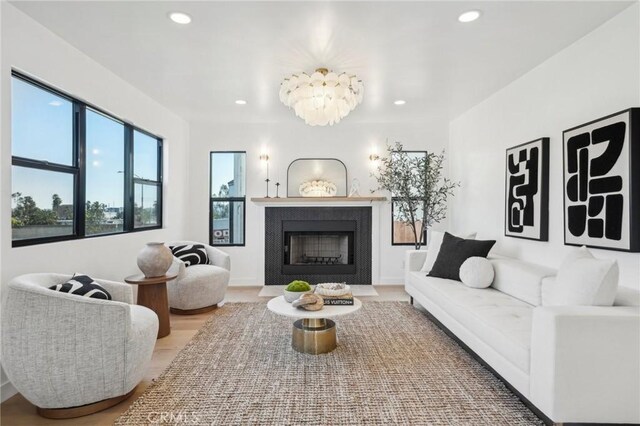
{"points": [[277, 189], [267, 180]]}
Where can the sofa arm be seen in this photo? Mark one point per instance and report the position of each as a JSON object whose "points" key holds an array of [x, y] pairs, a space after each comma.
{"points": [[413, 261], [585, 363], [218, 258], [119, 292]]}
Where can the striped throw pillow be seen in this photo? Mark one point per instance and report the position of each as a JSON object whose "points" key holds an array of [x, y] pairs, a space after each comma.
{"points": [[82, 285], [193, 254]]}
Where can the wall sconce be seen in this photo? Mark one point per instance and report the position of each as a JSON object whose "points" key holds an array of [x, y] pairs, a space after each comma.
{"points": [[374, 157], [265, 157]]}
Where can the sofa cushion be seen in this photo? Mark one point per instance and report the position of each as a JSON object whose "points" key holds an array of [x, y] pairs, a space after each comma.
{"points": [[499, 320], [584, 280], [454, 251], [433, 248], [520, 279], [548, 286], [627, 296]]}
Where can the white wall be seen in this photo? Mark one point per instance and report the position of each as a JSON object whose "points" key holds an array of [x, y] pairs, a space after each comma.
{"points": [[596, 76], [29, 47], [286, 141]]}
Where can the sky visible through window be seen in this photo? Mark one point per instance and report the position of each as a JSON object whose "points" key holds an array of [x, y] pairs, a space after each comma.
{"points": [[222, 170], [42, 129]]}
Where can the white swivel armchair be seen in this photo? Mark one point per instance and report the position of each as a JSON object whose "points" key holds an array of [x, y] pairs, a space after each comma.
{"points": [[198, 288], [71, 355]]}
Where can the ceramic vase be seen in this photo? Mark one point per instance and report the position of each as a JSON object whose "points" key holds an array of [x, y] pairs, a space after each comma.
{"points": [[154, 260]]}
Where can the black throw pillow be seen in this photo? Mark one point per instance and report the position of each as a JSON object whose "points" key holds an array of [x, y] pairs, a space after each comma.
{"points": [[83, 285], [453, 252], [193, 254]]}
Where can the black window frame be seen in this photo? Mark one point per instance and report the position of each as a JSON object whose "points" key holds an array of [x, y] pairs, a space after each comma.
{"points": [[394, 200], [78, 168], [230, 200]]}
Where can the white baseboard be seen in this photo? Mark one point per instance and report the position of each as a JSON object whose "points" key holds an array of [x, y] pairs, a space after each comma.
{"points": [[244, 282], [7, 391], [391, 281]]}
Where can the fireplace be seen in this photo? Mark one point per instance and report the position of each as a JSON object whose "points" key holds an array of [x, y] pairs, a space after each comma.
{"points": [[319, 247], [318, 244]]}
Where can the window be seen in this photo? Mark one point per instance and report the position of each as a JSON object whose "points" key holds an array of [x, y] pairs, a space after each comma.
{"points": [[227, 202], [73, 169], [147, 179], [104, 206], [401, 233]]}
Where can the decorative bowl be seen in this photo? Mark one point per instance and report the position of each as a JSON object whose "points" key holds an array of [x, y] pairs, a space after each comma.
{"points": [[291, 296], [333, 289]]}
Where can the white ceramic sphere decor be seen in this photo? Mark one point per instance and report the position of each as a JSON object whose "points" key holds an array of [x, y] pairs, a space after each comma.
{"points": [[477, 272], [155, 259]]}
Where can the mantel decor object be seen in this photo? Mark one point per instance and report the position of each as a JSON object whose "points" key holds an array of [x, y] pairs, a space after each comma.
{"points": [[154, 260], [317, 177]]}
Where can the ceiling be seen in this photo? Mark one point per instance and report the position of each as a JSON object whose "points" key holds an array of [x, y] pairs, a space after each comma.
{"points": [[416, 51]]}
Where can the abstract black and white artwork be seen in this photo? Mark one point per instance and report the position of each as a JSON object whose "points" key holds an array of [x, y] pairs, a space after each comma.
{"points": [[527, 191], [602, 182]]}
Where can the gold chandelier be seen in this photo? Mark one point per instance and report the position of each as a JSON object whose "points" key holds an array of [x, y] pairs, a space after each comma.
{"points": [[323, 97]]}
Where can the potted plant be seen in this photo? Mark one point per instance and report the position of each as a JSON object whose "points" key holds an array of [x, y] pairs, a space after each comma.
{"points": [[295, 289], [417, 188]]}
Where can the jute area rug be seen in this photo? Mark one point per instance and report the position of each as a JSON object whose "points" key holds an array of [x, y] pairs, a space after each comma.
{"points": [[392, 366]]}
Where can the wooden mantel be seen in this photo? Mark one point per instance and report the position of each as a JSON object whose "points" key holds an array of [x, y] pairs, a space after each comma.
{"points": [[285, 200]]}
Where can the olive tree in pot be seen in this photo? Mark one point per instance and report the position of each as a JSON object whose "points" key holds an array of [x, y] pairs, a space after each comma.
{"points": [[417, 188]]}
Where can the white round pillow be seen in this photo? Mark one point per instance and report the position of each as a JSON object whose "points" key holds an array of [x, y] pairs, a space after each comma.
{"points": [[476, 272]]}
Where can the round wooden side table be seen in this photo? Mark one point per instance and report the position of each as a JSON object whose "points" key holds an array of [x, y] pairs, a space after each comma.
{"points": [[152, 293]]}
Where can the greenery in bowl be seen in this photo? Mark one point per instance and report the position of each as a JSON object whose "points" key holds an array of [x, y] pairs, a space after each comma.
{"points": [[298, 286]]}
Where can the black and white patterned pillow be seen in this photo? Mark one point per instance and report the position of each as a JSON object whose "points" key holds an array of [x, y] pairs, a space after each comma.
{"points": [[193, 254], [83, 285]]}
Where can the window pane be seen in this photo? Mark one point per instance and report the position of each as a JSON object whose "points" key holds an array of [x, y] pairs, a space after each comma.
{"points": [[105, 177], [228, 222], [145, 156], [41, 124], [146, 209], [402, 232], [227, 174], [41, 203]]}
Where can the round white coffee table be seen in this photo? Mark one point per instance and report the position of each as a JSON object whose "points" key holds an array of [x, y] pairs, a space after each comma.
{"points": [[313, 333]]}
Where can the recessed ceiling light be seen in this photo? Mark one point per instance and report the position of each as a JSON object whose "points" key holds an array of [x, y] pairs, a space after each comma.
{"points": [[469, 16], [241, 102], [180, 18], [399, 102], [55, 103]]}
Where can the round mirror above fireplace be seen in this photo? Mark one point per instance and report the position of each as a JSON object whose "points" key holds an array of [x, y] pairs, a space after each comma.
{"points": [[317, 177]]}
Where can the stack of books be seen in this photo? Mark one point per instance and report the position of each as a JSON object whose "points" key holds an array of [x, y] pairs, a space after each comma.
{"points": [[345, 300]]}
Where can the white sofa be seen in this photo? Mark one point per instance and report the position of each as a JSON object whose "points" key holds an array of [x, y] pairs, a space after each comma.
{"points": [[573, 363]]}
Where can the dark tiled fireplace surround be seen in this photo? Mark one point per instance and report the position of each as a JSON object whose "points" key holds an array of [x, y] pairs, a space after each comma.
{"points": [[317, 244]]}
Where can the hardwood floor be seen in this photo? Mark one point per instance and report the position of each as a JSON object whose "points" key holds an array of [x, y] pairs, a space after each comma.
{"points": [[18, 411]]}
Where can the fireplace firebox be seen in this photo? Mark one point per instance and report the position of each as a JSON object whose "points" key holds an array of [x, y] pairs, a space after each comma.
{"points": [[318, 244], [319, 247]]}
